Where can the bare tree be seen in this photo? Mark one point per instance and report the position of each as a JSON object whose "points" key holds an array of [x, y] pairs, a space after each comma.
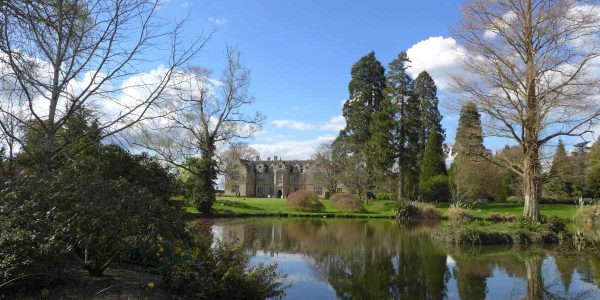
{"points": [[354, 174], [203, 114], [64, 55], [326, 170], [529, 66], [230, 161]]}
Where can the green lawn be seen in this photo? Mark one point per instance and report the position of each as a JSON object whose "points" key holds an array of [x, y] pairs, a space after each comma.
{"points": [[239, 206]]}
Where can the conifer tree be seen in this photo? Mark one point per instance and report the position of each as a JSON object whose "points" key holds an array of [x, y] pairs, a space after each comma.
{"points": [[592, 173], [561, 174], [399, 91], [431, 119], [433, 182], [412, 152], [369, 116]]}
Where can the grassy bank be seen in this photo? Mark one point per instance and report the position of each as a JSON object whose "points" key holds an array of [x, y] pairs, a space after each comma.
{"points": [[239, 206]]}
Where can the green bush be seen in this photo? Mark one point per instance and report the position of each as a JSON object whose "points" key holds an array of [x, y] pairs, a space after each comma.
{"points": [[428, 211], [222, 271], [305, 201], [347, 202], [327, 195], [501, 217], [385, 196], [435, 189], [406, 210]]}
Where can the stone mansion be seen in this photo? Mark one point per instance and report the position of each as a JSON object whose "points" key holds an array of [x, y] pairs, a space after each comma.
{"points": [[275, 178]]}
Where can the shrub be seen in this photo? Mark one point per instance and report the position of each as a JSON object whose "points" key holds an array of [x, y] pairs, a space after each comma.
{"points": [[459, 214], [428, 211], [515, 199], [501, 217], [435, 189], [327, 195], [406, 210], [304, 201], [385, 196], [222, 271], [347, 202]]}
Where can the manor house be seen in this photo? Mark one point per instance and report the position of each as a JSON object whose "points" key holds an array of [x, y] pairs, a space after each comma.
{"points": [[273, 178]]}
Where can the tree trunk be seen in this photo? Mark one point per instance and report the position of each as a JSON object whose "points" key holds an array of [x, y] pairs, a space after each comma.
{"points": [[532, 183]]}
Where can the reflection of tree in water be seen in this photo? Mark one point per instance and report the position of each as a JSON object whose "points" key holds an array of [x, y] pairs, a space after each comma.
{"points": [[364, 259]]}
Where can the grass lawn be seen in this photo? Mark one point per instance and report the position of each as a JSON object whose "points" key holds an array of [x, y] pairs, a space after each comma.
{"points": [[238, 206]]}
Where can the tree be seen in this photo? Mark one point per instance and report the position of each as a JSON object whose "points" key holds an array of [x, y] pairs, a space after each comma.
{"points": [[431, 119], [326, 171], [369, 116], [354, 174], [467, 177], [202, 117], [399, 88], [432, 180], [230, 161], [61, 56], [592, 172], [560, 174], [413, 151], [530, 74]]}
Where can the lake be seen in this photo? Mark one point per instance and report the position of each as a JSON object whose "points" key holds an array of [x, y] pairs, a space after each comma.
{"points": [[385, 259]]}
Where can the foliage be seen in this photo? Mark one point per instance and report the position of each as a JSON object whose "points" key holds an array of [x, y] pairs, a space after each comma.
{"points": [[592, 172], [198, 179], [501, 217], [432, 166], [431, 119], [435, 188], [428, 211], [222, 271], [459, 214], [347, 202], [305, 201], [385, 196], [486, 233], [588, 214], [406, 210]]}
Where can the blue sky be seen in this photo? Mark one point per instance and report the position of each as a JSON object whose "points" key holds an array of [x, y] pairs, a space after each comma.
{"points": [[301, 52]]}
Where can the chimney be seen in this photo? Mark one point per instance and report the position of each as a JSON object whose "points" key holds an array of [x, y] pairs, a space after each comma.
{"points": [[275, 158], [268, 158], [257, 158]]}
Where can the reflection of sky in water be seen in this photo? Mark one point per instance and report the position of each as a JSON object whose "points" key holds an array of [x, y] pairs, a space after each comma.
{"points": [[288, 249], [300, 273]]}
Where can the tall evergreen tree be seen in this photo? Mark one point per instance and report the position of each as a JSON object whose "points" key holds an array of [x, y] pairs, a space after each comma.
{"points": [[560, 174], [412, 152], [399, 90], [369, 115], [592, 172], [471, 176], [432, 179], [431, 118]]}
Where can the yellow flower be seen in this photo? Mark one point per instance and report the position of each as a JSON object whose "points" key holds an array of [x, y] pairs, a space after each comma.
{"points": [[151, 285]]}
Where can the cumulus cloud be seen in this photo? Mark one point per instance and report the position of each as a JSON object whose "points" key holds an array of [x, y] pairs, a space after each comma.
{"points": [[291, 149], [336, 123], [439, 56]]}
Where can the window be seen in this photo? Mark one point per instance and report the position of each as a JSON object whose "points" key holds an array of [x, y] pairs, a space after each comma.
{"points": [[259, 191], [296, 189], [338, 190], [318, 191]]}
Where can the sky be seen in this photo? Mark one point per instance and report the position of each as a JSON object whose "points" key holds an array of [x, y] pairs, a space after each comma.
{"points": [[300, 54]]}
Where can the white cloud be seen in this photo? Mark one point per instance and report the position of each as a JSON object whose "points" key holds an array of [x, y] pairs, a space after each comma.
{"points": [[438, 56], [291, 149], [336, 123], [291, 124], [217, 21]]}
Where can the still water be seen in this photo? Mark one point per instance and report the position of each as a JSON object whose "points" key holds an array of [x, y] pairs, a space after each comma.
{"points": [[384, 259]]}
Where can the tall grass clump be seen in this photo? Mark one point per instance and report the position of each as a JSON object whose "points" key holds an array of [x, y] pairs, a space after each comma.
{"points": [[409, 210], [458, 214], [347, 202], [305, 201], [588, 214]]}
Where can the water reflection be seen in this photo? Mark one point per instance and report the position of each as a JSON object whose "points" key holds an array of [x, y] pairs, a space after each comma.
{"points": [[382, 259]]}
